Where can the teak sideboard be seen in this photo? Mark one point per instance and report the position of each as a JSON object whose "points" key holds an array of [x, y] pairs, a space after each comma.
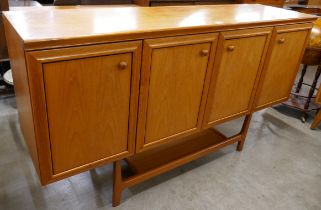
{"points": [[146, 85]]}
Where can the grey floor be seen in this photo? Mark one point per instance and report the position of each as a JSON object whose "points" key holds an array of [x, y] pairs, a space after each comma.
{"points": [[279, 168]]}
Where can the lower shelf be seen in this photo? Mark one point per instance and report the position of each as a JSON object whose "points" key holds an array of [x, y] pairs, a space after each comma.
{"points": [[184, 151], [156, 161]]}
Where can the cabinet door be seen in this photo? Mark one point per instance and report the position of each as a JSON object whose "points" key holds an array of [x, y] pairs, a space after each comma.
{"points": [[172, 86], [91, 96], [236, 72], [281, 67]]}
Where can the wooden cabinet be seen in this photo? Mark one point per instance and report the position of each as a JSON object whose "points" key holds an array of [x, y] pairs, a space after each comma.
{"points": [[89, 100], [172, 86], [282, 65], [97, 91], [237, 69]]}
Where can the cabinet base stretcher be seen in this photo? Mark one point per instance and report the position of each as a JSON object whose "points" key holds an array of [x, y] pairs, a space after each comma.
{"points": [[151, 163]]}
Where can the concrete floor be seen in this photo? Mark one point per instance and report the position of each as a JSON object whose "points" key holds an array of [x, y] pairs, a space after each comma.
{"points": [[279, 168]]}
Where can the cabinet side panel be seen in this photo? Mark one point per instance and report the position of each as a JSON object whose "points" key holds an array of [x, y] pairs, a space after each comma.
{"points": [[21, 87]]}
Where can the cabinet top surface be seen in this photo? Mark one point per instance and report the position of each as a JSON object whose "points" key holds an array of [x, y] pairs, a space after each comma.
{"points": [[70, 23]]}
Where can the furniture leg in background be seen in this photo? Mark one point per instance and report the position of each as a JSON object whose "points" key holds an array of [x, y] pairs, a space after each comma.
{"points": [[312, 57], [300, 83], [298, 99], [313, 87]]}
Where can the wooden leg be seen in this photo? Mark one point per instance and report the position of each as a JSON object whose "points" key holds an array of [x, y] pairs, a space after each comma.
{"points": [[298, 87], [304, 115], [316, 120], [313, 86], [117, 184], [244, 130]]}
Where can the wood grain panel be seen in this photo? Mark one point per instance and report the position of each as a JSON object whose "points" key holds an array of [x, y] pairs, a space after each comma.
{"points": [[282, 66], [236, 71], [21, 87], [70, 26], [78, 63], [88, 109], [172, 86], [175, 90]]}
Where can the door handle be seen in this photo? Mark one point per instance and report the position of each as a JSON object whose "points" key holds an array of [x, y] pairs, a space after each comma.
{"points": [[122, 65]]}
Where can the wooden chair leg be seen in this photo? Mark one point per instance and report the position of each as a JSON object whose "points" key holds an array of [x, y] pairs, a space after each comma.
{"points": [[245, 128], [316, 120], [117, 188], [304, 70], [313, 86]]}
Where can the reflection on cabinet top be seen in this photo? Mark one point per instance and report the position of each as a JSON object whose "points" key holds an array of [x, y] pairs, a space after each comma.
{"points": [[63, 26]]}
